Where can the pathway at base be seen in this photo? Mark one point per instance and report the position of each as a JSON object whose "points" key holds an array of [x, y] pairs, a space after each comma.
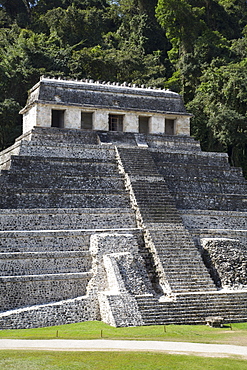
{"points": [[217, 350]]}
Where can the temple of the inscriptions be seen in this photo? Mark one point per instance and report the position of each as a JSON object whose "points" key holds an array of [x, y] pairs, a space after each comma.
{"points": [[104, 107], [110, 210]]}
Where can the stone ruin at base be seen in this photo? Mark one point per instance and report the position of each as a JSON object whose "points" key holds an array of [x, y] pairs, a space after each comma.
{"points": [[110, 211]]}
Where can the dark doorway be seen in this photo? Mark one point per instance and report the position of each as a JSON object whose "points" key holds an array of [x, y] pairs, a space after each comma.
{"points": [[115, 122], [86, 121], [57, 119], [169, 127], [143, 125]]}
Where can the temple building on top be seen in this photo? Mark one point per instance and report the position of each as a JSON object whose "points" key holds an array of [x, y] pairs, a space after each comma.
{"points": [[103, 106]]}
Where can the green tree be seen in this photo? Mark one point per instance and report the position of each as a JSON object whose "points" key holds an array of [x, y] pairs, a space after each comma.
{"points": [[73, 25], [18, 10], [10, 123], [220, 107]]}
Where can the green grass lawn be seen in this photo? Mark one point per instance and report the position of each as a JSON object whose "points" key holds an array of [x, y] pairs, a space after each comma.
{"points": [[36, 360], [229, 334], [52, 360]]}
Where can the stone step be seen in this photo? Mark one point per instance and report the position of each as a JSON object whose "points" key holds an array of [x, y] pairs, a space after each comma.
{"points": [[65, 198], [204, 219], [157, 183], [136, 172], [177, 233], [154, 191], [40, 263], [210, 201], [66, 218], [60, 181], [171, 240], [137, 162], [158, 220], [160, 211], [199, 172], [159, 235], [189, 316], [182, 264], [43, 135], [170, 247], [54, 241], [179, 280], [167, 242], [170, 256], [190, 158], [193, 308], [152, 223], [63, 150], [44, 241], [150, 197], [156, 208], [70, 165], [206, 186], [156, 205], [154, 199], [172, 141], [18, 291]]}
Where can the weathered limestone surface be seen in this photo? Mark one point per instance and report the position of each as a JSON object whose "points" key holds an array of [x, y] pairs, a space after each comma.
{"points": [[63, 219], [227, 262], [29, 290], [109, 225], [217, 224], [58, 313], [204, 219], [119, 274], [45, 237]]}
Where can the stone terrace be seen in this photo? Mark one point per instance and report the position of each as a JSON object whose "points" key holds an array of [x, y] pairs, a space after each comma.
{"points": [[108, 225]]}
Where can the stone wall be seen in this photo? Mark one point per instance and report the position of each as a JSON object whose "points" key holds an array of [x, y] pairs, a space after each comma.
{"points": [[65, 219], [119, 273], [204, 219], [33, 263], [59, 313], [226, 260], [20, 291]]}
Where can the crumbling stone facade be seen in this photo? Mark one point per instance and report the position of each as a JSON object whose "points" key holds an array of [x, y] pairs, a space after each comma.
{"points": [[128, 227], [227, 263]]}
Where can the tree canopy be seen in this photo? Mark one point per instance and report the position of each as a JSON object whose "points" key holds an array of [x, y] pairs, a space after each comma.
{"points": [[195, 47]]}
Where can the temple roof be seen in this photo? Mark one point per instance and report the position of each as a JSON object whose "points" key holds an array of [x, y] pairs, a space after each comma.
{"points": [[90, 94]]}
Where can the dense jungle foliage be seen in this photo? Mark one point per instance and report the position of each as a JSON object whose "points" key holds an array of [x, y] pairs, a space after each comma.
{"points": [[195, 47]]}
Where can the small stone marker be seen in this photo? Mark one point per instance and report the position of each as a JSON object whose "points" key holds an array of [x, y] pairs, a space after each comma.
{"points": [[215, 321]]}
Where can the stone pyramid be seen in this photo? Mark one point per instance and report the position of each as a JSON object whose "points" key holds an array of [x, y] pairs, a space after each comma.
{"points": [[128, 228]]}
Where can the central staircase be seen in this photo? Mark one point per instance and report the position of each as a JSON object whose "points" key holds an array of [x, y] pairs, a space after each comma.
{"points": [[178, 261]]}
